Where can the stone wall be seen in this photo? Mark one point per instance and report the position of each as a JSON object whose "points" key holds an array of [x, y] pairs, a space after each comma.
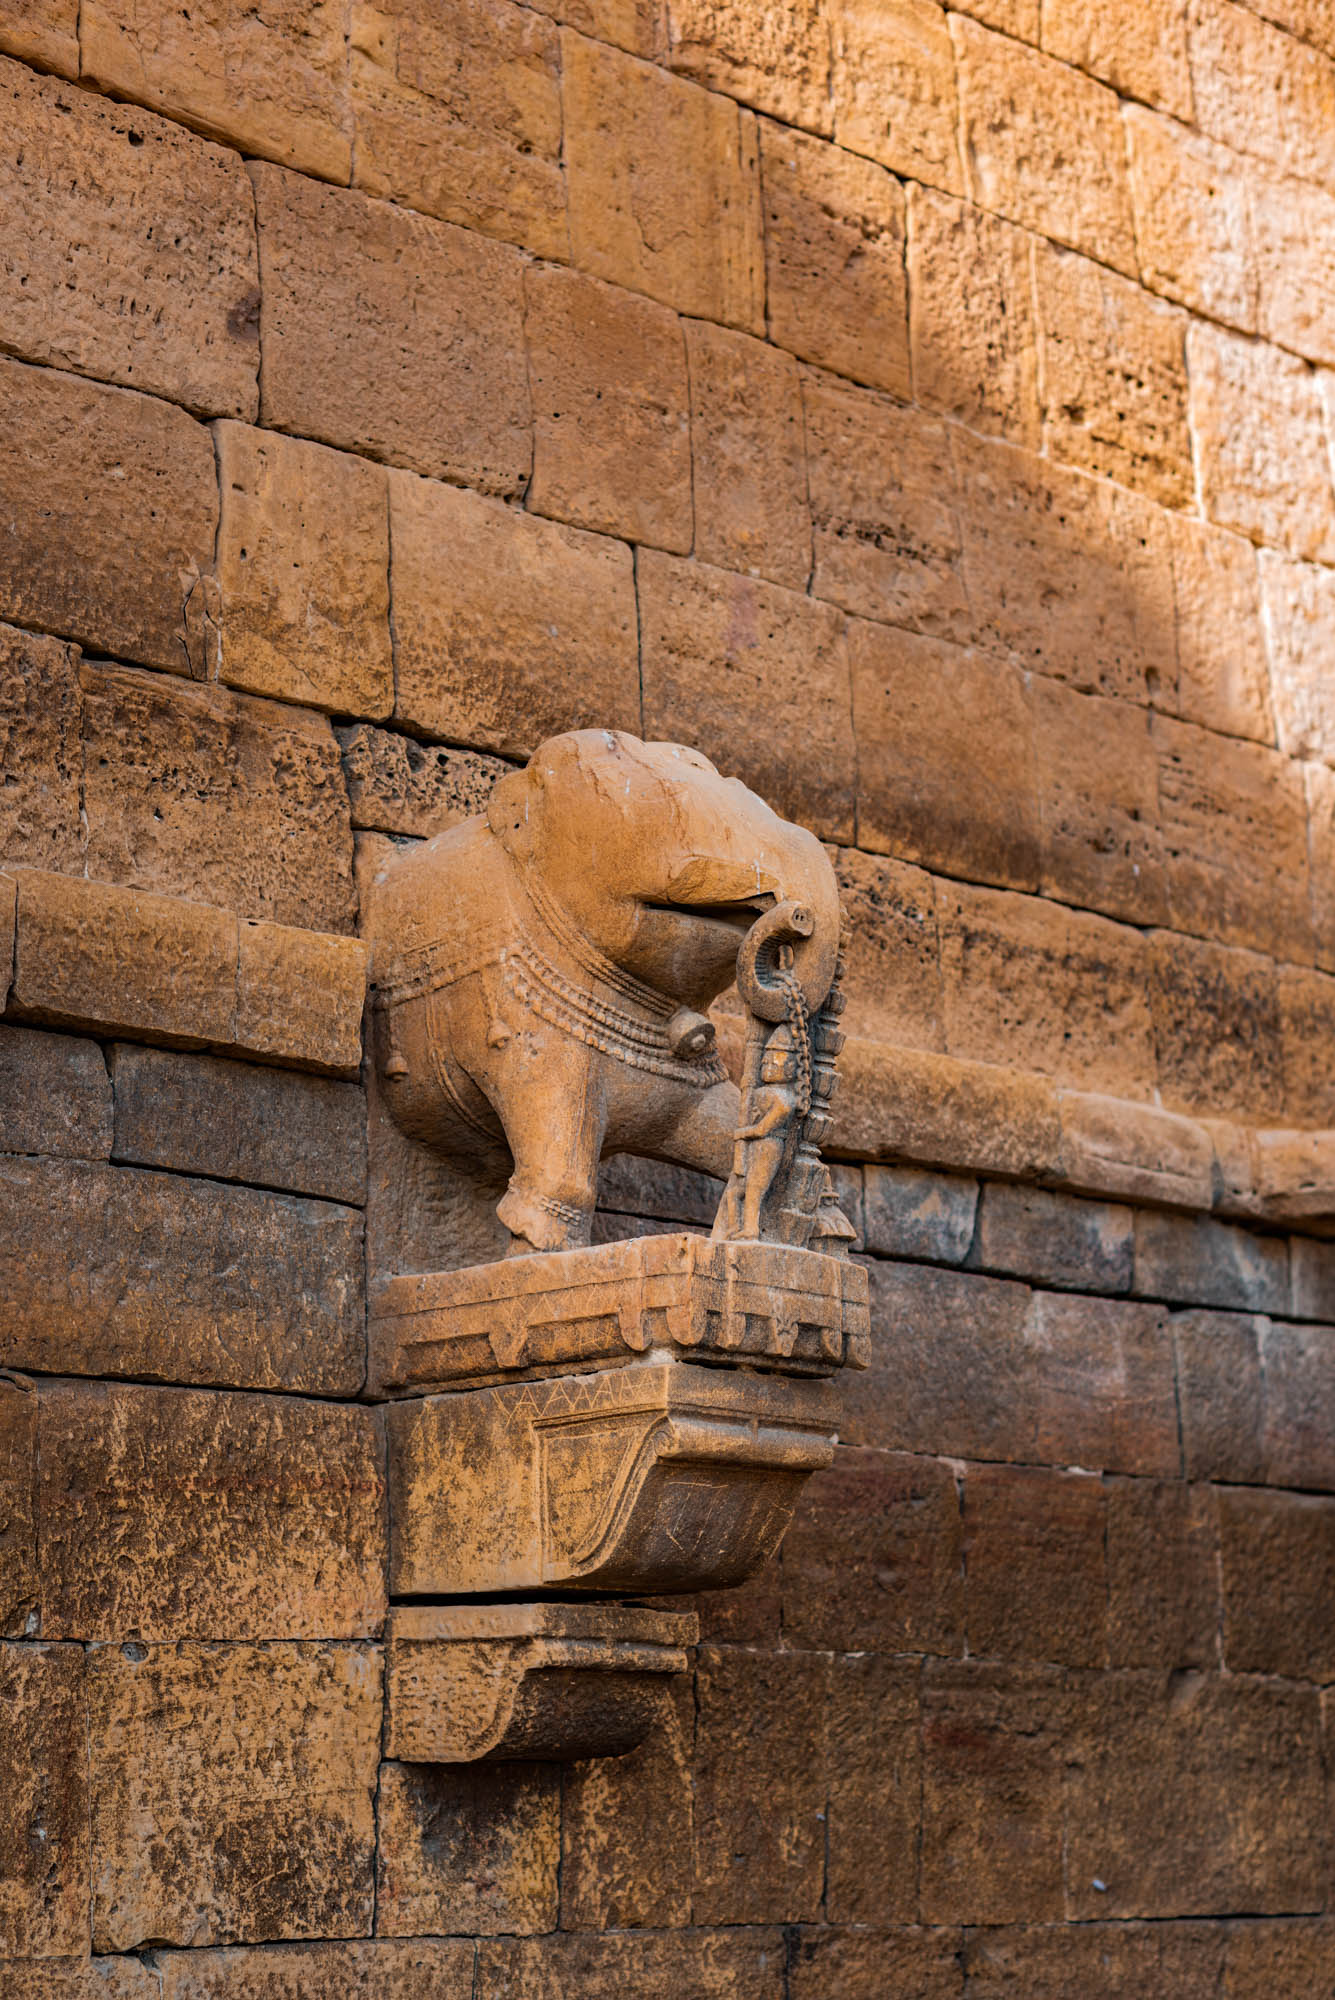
{"points": [[927, 414]]}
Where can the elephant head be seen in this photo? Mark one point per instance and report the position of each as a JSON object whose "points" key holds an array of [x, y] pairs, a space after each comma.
{"points": [[663, 864]]}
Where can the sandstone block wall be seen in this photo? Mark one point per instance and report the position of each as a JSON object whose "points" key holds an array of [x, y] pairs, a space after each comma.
{"points": [[930, 413]]}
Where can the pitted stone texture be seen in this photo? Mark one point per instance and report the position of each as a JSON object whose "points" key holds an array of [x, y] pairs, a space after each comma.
{"points": [[40, 825], [303, 573], [1044, 145], [1193, 213], [1261, 441], [975, 343], [626, 1825], [776, 59], [80, 1979], [864, 1963], [757, 678], [707, 1964], [55, 1095], [1223, 680], [112, 1271], [380, 1969], [892, 978], [108, 512], [1237, 1066], [1036, 1584], [1098, 783], [611, 409], [19, 1584], [749, 472], [507, 629], [1294, 229], [893, 82], [206, 1762], [271, 81], [1262, 92], [834, 254], [398, 785], [638, 26], [1300, 603], [1113, 376], [472, 1849], [457, 112], [44, 1832], [137, 262], [391, 333], [664, 186], [199, 793], [1138, 46], [172, 1514]]}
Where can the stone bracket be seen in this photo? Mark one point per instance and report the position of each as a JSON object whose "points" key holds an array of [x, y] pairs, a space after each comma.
{"points": [[473, 1682]]}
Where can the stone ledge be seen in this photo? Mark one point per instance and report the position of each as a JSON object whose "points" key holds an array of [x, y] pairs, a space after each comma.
{"points": [[152, 968]]}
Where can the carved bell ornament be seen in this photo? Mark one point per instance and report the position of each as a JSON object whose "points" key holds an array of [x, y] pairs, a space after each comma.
{"points": [[633, 1417]]}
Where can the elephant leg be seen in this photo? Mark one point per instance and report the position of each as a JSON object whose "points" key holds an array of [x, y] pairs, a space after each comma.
{"points": [[556, 1139], [705, 1134]]}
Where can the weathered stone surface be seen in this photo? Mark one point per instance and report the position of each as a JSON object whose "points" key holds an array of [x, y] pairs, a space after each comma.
{"points": [[469, 1848], [1098, 783], [945, 756], [80, 1979], [1114, 377], [885, 528], [1297, 1446], [611, 410], [89, 955], [1138, 46], [971, 292], [1194, 1792], [1321, 834], [865, 1964], [1067, 575], [913, 1214], [1044, 145], [398, 785], [1075, 1246], [757, 678], [235, 1122], [1163, 1608], [208, 1761], [1222, 677], [299, 997], [1261, 443], [873, 1560], [749, 473], [44, 1830], [709, 1965], [55, 1095], [1307, 1021], [457, 111], [626, 1826], [1300, 609], [131, 248], [272, 83], [874, 1761], [1222, 1395], [1194, 1260], [903, 1104], [1193, 219], [108, 1270], [1030, 985], [195, 792], [892, 977], [834, 259], [8, 932], [1294, 231], [777, 60], [1033, 1555], [1235, 849], [982, 1368], [1264, 1958], [391, 333], [1217, 1026], [1105, 1960], [108, 511], [1259, 90], [664, 186], [170, 1514], [19, 1577], [1312, 1275], [383, 1969], [534, 631], [1277, 1571], [893, 84], [40, 754], [759, 1791], [303, 571], [995, 1741], [45, 32]]}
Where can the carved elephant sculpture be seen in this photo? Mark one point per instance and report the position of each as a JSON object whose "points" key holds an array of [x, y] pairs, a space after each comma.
{"points": [[542, 973]]}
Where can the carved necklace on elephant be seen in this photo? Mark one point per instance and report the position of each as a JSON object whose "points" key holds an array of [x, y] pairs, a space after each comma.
{"points": [[619, 1015]]}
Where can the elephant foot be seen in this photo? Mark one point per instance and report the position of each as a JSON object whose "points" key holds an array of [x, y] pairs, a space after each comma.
{"points": [[539, 1222]]}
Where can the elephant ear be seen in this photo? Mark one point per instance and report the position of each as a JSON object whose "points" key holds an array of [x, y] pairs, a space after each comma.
{"points": [[512, 812]]}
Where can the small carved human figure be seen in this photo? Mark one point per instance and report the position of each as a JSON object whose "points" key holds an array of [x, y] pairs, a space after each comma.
{"points": [[772, 1108]]}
